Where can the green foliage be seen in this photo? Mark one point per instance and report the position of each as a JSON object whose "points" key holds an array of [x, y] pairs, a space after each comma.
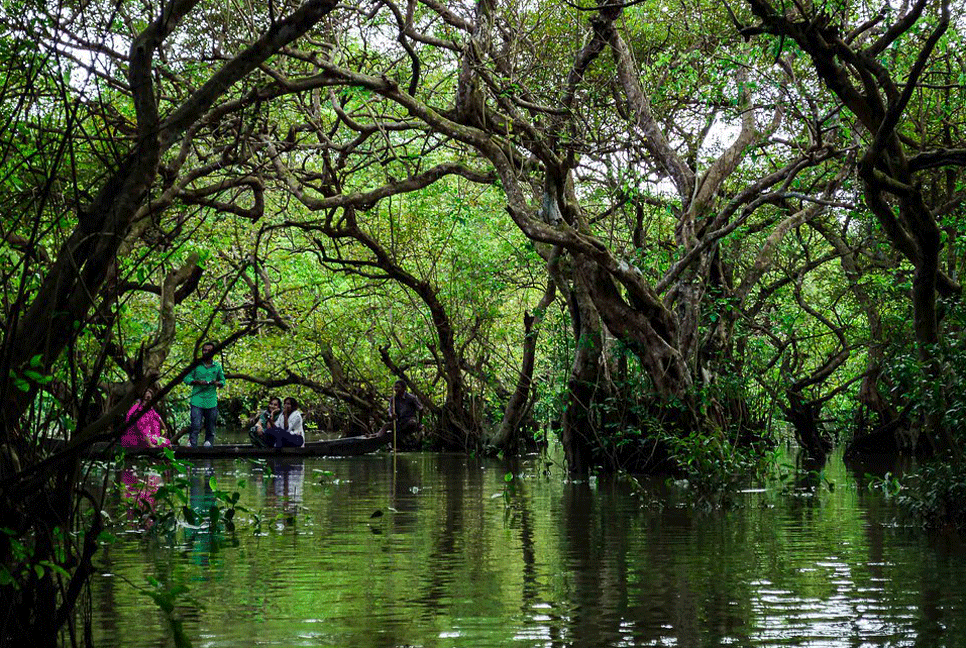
{"points": [[22, 565], [933, 380], [168, 596], [933, 496], [509, 491], [798, 481], [166, 506], [889, 484], [714, 469]]}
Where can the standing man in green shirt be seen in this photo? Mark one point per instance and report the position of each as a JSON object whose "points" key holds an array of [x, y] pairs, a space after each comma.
{"points": [[205, 379]]}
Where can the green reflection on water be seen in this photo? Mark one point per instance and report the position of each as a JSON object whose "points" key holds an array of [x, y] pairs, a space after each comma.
{"points": [[461, 557]]}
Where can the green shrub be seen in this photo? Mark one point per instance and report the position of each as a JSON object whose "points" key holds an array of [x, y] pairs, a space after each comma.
{"points": [[935, 495]]}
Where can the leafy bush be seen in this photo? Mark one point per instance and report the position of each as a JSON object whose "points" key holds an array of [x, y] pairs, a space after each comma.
{"points": [[935, 495], [715, 470]]}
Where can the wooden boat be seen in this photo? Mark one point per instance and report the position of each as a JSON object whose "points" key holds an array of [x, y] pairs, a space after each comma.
{"points": [[346, 447]]}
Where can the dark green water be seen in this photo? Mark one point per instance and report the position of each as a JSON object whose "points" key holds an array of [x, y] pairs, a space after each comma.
{"points": [[458, 560]]}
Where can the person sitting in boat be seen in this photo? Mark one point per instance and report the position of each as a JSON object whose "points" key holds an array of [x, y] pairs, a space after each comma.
{"points": [[266, 418], [288, 431], [145, 425], [404, 410]]}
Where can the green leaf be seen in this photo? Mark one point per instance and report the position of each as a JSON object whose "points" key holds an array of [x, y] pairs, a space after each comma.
{"points": [[106, 538], [190, 516], [55, 568]]}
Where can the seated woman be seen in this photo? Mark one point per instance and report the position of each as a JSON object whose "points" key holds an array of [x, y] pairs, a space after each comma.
{"points": [[288, 431], [145, 426], [265, 420]]}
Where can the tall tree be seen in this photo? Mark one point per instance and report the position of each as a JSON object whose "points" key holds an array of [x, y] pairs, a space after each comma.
{"points": [[546, 130], [876, 66], [40, 498]]}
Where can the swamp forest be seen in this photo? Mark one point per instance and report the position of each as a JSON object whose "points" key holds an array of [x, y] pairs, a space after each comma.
{"points": [[675, 240]]}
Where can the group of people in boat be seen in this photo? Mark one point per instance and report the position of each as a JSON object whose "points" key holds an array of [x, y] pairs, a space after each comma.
{"points": [[205, 380], [145, 427], [279, 425]]}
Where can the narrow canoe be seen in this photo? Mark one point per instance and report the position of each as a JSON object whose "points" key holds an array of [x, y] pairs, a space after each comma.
{"points": [[347, 447]]}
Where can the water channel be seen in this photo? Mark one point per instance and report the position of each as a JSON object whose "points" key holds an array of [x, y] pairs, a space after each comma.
{"points": [[442, 550]]}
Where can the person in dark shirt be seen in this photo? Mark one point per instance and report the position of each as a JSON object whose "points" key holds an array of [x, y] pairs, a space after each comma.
{"points": [[266, 419], [404, 409]]}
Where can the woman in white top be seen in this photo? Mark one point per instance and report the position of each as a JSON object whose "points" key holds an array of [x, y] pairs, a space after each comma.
{"points": [[288, 431]]}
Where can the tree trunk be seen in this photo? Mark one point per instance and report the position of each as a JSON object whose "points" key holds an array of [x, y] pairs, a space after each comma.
{"points": [[926, 325], [507, 437], [459, 429], [578, 429], [650, 333], [803, 414], [39, 497]]}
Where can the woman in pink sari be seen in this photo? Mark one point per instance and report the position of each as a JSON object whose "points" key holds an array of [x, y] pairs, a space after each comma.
{"points": [[145, 426]]}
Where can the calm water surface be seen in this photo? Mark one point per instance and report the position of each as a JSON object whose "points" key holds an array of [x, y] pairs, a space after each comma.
{"points": [[460, 558]]}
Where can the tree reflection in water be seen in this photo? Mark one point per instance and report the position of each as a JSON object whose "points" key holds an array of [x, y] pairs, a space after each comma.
{"points": [[464, 555]]}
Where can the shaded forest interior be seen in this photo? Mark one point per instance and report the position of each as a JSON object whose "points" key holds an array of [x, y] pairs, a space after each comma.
{"points": [[666, 235]]}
